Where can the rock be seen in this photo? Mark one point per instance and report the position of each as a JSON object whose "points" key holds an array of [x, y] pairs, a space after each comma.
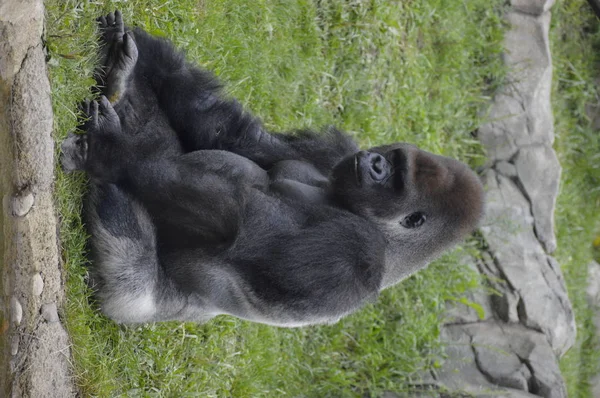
{"points": [[480, 308], [489, 359], [512, 355], [506, 169], [503, 367], [530, 74], [508, 231], [16, 311], [37, 284], [538, 170], [497, 359], [459, 372], [593, 287], [22, 203], [521, 113], [14, 345], [505, 306], [507, 120], [22, 28], [534, 7], [50, 312]]}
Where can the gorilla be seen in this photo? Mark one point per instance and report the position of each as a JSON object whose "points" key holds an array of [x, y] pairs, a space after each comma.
{"points": [[194, 210]]}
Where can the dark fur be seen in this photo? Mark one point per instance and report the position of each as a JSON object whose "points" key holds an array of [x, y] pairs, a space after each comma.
{"points": [[195, 210]]}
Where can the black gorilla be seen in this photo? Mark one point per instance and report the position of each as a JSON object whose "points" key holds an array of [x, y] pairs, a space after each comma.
{"points": [[195, 210]]}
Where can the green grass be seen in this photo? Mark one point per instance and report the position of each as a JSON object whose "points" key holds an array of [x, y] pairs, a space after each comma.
{"points": [[385, 71], [575, 37]]}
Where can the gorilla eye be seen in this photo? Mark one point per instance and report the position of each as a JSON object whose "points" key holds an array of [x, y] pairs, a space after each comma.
{"points": [[413, 220]]}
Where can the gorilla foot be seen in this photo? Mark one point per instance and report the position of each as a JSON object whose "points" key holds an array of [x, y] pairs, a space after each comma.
{"points": [[118, 53], [112, 29]]}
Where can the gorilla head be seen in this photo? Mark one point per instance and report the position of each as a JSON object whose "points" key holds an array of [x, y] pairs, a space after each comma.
{"points": [[423, 202]]}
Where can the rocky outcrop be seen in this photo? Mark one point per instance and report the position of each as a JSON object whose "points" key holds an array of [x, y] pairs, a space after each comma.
{"points": [[36, 355], [513, 350]]}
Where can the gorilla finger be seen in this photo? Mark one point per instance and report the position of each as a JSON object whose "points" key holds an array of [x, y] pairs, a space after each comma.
{"points": [[107, 109], [84, 115], [84, 107], [94, 114], [129, 46], [110, 18], [118, 18], [101, 21]]}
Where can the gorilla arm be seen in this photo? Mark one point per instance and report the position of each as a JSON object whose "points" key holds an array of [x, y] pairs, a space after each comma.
{"points": [[315, 272], [203, 119], [202, 192]]}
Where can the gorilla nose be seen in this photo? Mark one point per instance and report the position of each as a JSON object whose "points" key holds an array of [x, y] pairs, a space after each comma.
{"points": [[378, 166]]}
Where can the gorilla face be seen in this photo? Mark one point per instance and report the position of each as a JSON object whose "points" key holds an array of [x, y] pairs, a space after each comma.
{"points": [[423, 202]]}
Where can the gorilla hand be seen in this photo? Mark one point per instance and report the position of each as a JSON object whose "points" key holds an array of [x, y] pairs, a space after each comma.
{"points": [[108, 148]]}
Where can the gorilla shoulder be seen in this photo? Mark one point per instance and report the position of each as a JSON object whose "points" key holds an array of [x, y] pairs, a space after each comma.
{"points": [[423, 202]]}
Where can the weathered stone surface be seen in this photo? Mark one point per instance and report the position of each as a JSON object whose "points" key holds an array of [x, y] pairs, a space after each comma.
{"points": [[16, 311], [501, 349], [503, 367], [499, 359], [39, 366], [508, 231], [32, 92], [521, 114], [22, 203], [50, 363], [37, 284], [14, 345], [22, 23], [538, 171], [506, 169], [514, 352], [460, 372], [50, 312], [505, 305], [462, 313], [535, 7]]}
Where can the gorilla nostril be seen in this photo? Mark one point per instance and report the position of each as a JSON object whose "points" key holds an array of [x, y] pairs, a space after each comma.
{"points": [[378, 163]]}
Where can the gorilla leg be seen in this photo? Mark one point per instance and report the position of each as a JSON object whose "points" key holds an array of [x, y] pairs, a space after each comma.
{"points": [[191, 99], [188, 96], [130, 283], [203, 119]]}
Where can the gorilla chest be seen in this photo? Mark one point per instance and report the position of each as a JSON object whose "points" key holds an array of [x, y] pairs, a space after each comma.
{"points": [[299, 171], [298, 181]]}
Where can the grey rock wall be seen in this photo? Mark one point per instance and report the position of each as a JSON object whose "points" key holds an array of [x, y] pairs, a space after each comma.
{"points": [[514, 350]]}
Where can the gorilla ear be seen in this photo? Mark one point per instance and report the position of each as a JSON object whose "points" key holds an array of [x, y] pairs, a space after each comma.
{"points": [[413, 220]]}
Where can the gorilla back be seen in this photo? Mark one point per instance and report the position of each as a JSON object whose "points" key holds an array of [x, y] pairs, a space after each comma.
{"points": [[195, 210]]}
